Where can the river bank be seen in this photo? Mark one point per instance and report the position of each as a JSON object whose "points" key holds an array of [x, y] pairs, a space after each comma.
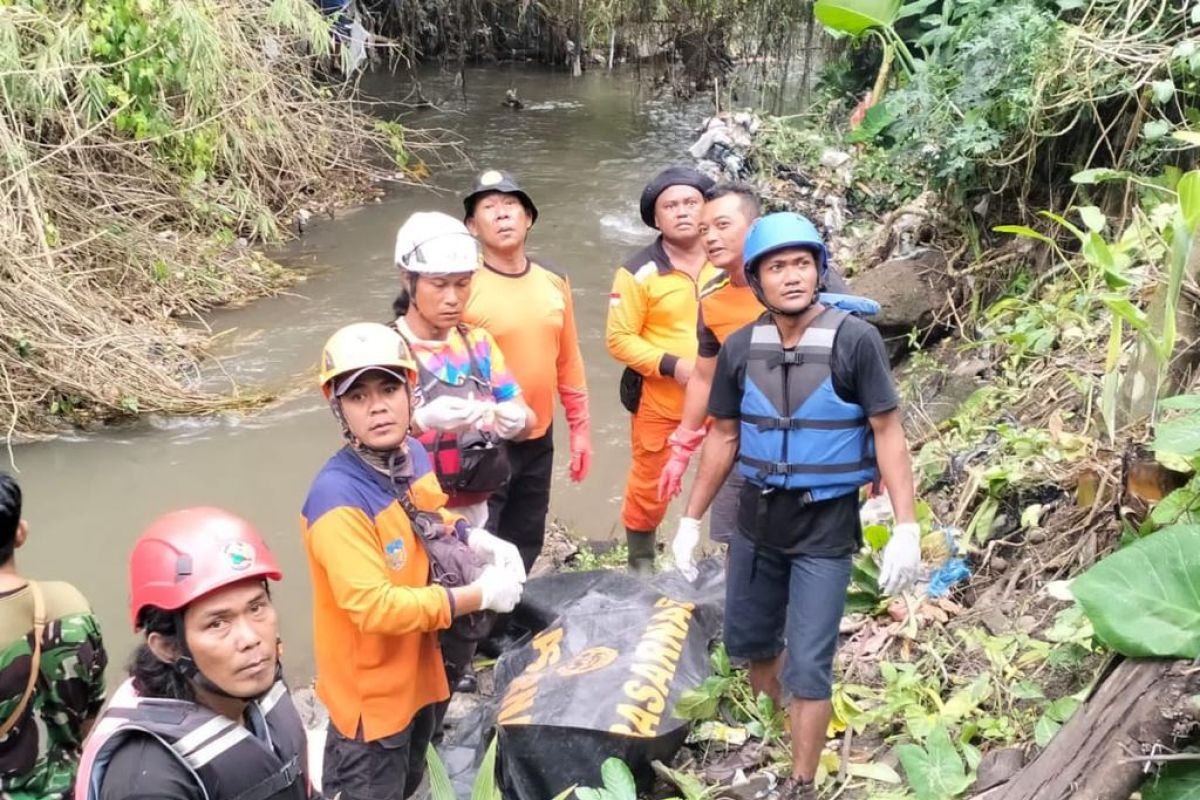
{"points": [[602, 132]]}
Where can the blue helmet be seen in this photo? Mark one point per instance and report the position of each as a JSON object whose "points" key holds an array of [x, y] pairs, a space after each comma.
{"points": [[778, 231]]}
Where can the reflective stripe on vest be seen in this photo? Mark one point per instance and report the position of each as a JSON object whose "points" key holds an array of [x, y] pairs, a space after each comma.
{"points": [[796, 433], [228, 761]]}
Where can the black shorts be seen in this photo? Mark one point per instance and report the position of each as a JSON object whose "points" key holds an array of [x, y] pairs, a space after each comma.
{"points": [[390, 768]]}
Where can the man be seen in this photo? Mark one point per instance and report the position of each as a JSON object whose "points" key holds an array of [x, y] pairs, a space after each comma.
{"points": [[205, 714], [727, 303], [651, 329], [529, 312], [373, 518], [51, 667], [804, 402]]}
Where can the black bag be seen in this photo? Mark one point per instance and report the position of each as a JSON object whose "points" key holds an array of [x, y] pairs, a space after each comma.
{"points": [[482, 463], [631, 390]]}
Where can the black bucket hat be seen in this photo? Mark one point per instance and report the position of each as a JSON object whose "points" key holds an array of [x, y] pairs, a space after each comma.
{"points": [[671, 176], [493, 180]]}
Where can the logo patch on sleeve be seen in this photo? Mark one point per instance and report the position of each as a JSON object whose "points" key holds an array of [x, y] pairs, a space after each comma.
{"points": [[396, 553]]}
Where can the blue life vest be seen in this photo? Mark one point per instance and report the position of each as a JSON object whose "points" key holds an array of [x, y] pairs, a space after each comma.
{"points": [[796, 433]]}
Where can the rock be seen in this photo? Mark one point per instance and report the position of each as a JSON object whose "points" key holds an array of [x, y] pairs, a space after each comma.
{"points": [[755, 787], [312, 710], [557, 549], [972, 367], [832, 159], [997, 767], [910, 290], [996, 621], [461, 706], [999, 564]]}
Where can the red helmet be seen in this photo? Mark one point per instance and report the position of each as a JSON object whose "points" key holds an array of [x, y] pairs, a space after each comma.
{"points": [[186, 554]]}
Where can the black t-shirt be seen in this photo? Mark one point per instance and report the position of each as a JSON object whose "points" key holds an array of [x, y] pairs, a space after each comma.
{"points": [[861, 375], [143, 769]]}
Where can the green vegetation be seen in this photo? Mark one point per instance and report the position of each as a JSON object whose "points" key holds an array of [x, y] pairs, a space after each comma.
{"points": [[146, 144]]}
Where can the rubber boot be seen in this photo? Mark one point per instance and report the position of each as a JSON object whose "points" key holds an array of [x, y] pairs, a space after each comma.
{"points": [[641, 551]]}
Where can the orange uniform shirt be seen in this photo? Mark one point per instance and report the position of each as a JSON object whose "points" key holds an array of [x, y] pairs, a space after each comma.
{"points": [[652, 324], [532, 317], [375, 616], [724, 308]]}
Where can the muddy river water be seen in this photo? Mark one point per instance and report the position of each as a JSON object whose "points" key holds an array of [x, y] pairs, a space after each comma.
{"points": [[583, 149]]}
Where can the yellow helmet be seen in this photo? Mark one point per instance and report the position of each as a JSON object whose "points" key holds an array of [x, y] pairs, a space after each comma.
{"points": [[360, 347]]}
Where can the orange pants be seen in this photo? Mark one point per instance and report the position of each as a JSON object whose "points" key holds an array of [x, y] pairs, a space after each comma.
{"points": [[648, 433]]}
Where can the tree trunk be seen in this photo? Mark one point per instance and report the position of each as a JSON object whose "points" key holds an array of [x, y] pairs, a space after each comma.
{"points": [[1142, 706], [577, 59]]}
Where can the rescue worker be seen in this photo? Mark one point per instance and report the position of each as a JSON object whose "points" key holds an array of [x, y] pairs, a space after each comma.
{"points": [[52, 662], [651, 329], [467, 402], [204, 714], [528, 310], [803, 401], [727, 303], [369, 538]]}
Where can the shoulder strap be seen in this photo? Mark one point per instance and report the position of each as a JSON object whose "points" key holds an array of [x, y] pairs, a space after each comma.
{"points": [[35, 662], [476, 370]]}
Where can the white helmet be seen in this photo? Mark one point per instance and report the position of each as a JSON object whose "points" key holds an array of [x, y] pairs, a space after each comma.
{"points": [[433, 243]]}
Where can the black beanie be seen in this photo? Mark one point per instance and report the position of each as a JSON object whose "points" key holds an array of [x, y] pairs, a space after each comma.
{"points": [[671, 176]]}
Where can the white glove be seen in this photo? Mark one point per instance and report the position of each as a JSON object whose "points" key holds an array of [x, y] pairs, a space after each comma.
{"points": [[449, 414], [901, 558], [500, 589], [510, 418], [497, 551], [683, 547]]}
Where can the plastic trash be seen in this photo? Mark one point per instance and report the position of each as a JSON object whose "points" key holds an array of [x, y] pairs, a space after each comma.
{"points": [[953, 570]]}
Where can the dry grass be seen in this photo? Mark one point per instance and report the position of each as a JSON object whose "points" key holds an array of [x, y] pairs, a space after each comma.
{"points": [[110, 230]]}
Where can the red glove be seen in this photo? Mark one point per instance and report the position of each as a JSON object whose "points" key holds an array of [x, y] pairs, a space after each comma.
{"points": [[575, 405], [683, 443]]}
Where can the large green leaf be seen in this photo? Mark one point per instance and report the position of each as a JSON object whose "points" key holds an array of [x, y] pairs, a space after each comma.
{"points": [[1144, 600], [1180, 436], [1099, 175], [855, 17], [1189, 198], [485, 787], [875, 121], [936, 771], [1023, 230], [1179, 781], [440, 787], [873, 771], [1126, 310], [618, 780], [1181, 402]]}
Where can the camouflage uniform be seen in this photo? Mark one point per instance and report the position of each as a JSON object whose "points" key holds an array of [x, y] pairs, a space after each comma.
{"points": [[39, 755]]}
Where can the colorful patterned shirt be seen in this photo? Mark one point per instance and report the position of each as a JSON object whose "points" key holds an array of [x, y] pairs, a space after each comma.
{"points": [[39, 755], [450, 362]]}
